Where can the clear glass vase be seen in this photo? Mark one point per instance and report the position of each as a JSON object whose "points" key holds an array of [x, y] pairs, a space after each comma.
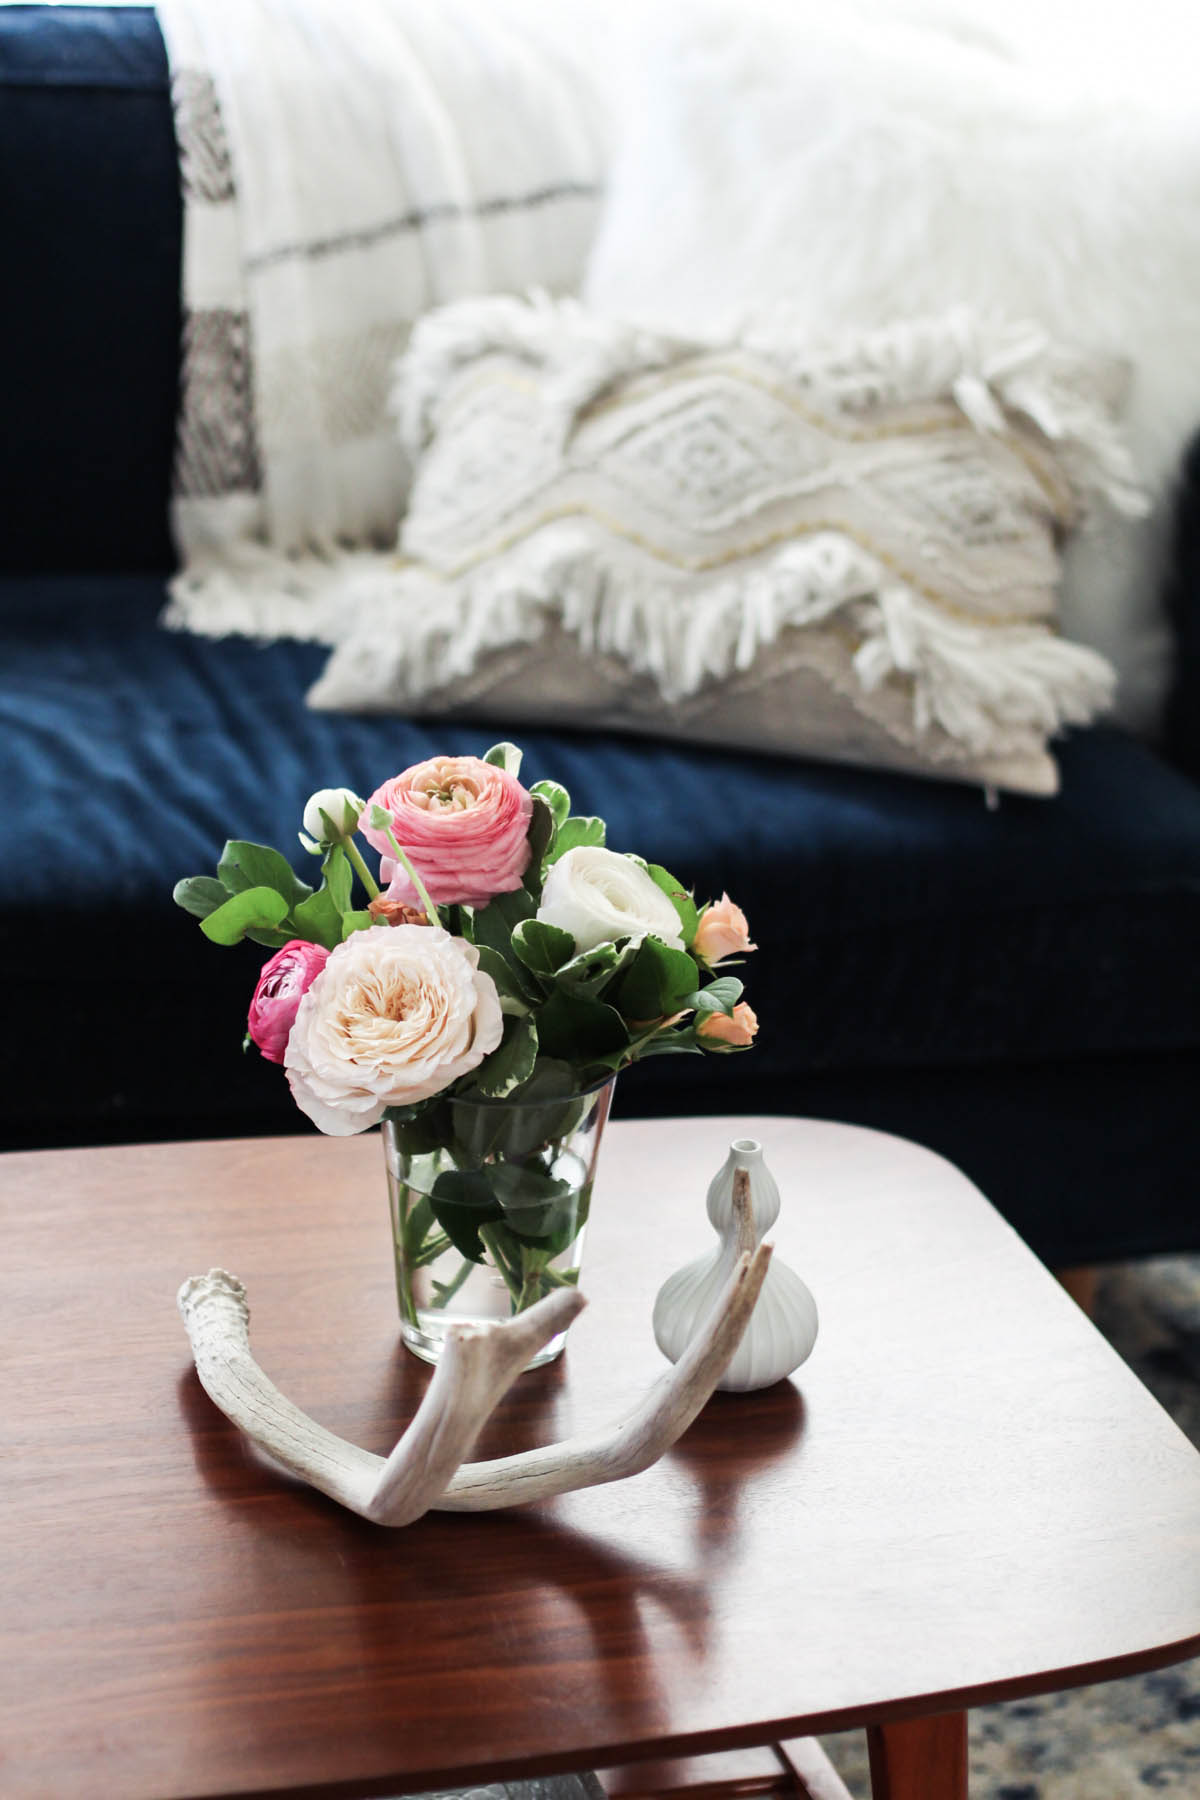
{"points": [[489, 1203]]}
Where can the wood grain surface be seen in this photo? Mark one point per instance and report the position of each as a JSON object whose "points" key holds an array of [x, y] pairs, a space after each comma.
{"points": [[964, 1494]]}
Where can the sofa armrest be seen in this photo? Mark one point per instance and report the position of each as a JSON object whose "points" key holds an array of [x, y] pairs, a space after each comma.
{"points": [[90, 221], [1182, 738]]}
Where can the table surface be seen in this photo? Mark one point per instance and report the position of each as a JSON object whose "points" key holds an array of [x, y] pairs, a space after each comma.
{"points": [[963, 1495]]}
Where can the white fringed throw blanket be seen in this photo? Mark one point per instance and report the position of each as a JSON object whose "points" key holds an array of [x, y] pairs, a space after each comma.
{"points": [[346, 164]]}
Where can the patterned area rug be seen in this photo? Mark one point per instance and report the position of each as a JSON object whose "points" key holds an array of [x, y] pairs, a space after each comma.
{"points": [[1122, 1740]]}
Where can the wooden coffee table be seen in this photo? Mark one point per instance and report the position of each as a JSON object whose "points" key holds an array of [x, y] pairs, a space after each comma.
{"points": [[964, 1496]]}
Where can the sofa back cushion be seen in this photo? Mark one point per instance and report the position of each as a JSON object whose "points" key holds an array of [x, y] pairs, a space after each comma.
{"points": [[89, 308]]}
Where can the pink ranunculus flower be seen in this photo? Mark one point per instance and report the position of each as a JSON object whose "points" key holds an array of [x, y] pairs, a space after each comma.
{"points": [[719, 1028], [722, 932], [395, 1016], [284, 981], [463, 822]]}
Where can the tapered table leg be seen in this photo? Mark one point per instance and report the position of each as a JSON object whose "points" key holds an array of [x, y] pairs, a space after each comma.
{"points": [[919, 1759]]}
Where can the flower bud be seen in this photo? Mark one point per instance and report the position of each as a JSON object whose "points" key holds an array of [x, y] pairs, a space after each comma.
{"points": [[341, 808], [722, 932], [395, 912], [718, 1029]]}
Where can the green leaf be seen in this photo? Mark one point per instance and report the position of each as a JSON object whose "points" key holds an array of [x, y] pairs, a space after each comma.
{"points": [[556, 798], [271, 940], [721, 995], [339, 877], [419, 1135], [505, 756], [573, 833], [552, 1079], [579, 1030], [355, 921], [381, 819], [541, 947], [541, 1112], [495, 923], [515, 998], [657, 983], [536, 1206], [462, 1201], [510, 1063], [200, 895], [319, 920], [256, 908], [670, 1044], [244, 866], [320, 917], [592, 970], [540, 836], [681, 900]]}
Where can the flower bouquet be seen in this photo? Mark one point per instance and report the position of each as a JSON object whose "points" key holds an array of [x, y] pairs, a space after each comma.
{"points": [[477, 996]]}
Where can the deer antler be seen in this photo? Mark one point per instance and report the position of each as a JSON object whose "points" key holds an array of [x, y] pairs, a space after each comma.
{"points": [[479, 1364]]}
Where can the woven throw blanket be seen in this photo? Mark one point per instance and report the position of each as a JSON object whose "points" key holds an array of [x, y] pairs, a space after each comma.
{"points": [[345, 165]]}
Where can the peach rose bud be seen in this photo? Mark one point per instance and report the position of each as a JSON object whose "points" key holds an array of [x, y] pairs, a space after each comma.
{"points": [[722, 932], [738, 1032], [395, 912]]}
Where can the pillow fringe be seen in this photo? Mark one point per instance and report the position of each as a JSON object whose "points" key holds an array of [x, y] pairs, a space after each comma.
{"points": [[987, 686]]}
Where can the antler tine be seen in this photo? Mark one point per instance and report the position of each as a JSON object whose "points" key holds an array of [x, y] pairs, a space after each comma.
{"points": [[642, 1436], [218, 1323], [478, 1365]]}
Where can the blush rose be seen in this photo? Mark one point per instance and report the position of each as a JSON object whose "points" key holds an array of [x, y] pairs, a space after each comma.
{"points": [[284, 981], [463, 823], [396, 1015]]}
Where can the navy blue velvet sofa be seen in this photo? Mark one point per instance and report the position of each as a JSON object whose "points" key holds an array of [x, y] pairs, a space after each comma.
{"points": [[1019, 989]]}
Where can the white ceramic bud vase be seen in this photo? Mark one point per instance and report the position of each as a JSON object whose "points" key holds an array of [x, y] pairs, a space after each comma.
{"points": [[783, 1326]]}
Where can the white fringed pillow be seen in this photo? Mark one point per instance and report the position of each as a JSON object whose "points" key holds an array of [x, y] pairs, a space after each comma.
{"points": [[846, 552]]}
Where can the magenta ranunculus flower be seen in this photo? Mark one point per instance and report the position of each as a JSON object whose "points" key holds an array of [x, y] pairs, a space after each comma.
{"points": [[463, 822], [285, 980]]}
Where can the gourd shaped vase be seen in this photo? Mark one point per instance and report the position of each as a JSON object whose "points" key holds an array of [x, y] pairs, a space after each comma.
{"points": [[783, 1325]]}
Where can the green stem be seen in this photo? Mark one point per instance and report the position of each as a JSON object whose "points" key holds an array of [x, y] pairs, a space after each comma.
{"points": [[431, 1248], [491, 1243], [446, 1290], [364, 874], [405, 864]]}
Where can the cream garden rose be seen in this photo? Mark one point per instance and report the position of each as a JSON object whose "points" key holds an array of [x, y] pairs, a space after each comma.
{"points": [[598, 895], [394, 1017]]}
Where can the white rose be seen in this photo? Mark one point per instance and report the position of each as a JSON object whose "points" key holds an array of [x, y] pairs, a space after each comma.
{"points": [[597, 896], [394, 1016], [342, 808]]}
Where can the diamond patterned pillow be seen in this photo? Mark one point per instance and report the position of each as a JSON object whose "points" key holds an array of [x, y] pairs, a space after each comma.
{"points": [[848, 551]]}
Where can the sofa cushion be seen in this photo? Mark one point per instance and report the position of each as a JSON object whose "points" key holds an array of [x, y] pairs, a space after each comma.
{"points": [[89, 307], [901, 924]]}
